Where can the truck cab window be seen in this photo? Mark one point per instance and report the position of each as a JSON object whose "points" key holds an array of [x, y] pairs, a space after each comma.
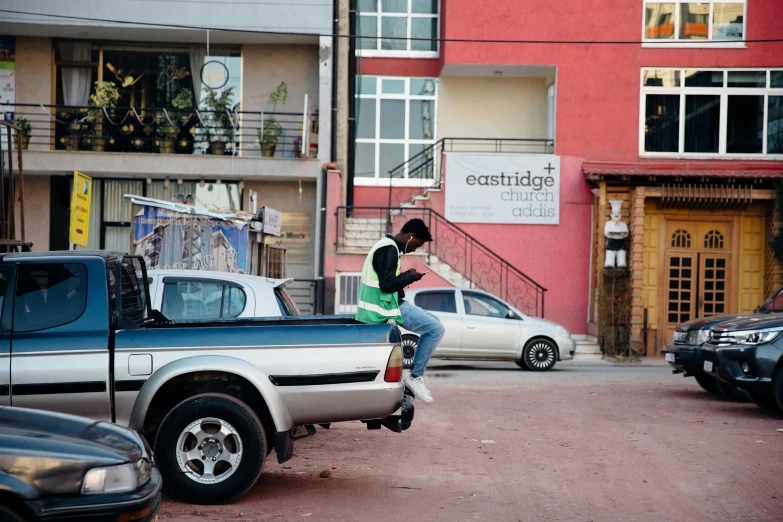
{"points": [[49, 295]]}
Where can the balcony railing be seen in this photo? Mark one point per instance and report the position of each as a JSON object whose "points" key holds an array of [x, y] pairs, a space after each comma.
{"points": [[172, 131], [427, 165], [480, 266]]}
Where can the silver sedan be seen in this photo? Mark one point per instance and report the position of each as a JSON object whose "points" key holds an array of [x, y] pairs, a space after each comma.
{"points": [[479, 326]]}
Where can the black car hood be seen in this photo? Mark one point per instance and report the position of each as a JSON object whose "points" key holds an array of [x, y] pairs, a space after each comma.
{"points": [[755, 322], [706, 322], [48, 453]]}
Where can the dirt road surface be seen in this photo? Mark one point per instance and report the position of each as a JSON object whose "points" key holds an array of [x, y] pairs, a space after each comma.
{"points": [[585, 442]]}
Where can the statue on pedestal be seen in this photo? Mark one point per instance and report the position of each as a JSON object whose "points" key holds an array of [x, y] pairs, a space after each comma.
{"points": [[615, 231]]}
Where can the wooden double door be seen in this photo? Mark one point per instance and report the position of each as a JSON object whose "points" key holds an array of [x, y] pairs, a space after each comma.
{"points": [[698, 272]]}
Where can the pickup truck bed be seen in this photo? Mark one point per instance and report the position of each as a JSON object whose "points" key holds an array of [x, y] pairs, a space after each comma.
{"points": [[212, 398]]}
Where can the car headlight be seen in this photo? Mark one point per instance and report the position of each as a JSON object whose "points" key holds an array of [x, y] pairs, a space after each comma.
{"points": [[697, 337], [749, 337], [116, 479], [679, 337], [561, 332]]}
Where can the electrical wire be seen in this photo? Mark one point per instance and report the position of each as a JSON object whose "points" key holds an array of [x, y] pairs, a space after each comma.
{"points": [[662, 43]]}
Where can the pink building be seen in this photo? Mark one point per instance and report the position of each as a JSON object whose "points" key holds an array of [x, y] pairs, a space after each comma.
{"points": [[683, 110]]}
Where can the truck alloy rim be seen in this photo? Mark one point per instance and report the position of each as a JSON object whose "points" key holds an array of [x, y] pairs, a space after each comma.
{"points": [[541, 355], [209, 450]]}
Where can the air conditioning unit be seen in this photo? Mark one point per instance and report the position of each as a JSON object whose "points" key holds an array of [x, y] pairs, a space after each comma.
{"points": [[346, 292]]}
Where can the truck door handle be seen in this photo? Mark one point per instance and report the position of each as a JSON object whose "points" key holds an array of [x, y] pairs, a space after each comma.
{"points": [[471, 327]]}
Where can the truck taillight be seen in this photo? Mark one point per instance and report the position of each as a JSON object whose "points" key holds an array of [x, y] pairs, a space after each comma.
{"points": [[394, 366]]}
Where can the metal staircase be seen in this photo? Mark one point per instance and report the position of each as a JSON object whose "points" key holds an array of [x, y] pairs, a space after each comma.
{"points": [[453, 254]]}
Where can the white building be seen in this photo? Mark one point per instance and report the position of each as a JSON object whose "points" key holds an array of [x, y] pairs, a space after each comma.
{"points": [[158, 54]]}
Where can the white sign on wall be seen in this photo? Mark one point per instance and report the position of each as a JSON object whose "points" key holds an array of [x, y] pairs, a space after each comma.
{"points": [[519, 189]]}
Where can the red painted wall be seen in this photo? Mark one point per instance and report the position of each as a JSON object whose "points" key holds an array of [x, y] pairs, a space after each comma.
{"points": [[598, 96]]}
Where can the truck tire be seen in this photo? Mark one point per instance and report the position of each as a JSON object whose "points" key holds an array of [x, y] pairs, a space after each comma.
{"points": [[763, 400], [540, 355], [731, 393], [9, 514], [210, 449], [777, 388], [707, 383]]}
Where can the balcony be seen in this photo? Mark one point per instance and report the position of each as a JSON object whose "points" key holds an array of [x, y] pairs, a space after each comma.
{"points": [[128, 140]]}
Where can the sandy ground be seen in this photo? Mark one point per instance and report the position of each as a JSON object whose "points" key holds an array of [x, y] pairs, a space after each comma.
{"points": [[585, 442]]}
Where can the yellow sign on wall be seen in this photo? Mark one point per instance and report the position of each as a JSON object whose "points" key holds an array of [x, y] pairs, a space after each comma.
{"points": [[80, 209]]}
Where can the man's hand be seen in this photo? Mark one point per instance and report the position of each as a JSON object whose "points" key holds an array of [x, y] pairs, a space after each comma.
{"points": [[416, 275]]}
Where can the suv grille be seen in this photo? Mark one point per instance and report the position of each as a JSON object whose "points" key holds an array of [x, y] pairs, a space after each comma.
{"points": [[721, 338]]}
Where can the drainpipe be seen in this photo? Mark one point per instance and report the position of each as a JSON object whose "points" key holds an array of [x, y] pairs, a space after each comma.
{"points": [[351, 100]]}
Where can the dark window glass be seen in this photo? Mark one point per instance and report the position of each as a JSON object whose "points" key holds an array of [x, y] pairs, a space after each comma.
{"points": [[776, 79], [485, 306], [49, 295], [747, 79], [437, 302], [702, 123], [704, 78], [775, 125], [662, 123], [745, 125]]}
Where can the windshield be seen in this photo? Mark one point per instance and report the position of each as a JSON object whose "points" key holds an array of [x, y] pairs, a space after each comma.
{"points": [[774, 304]]}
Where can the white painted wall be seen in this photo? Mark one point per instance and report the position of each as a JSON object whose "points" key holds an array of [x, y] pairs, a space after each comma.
{"points": [[492, 107]]}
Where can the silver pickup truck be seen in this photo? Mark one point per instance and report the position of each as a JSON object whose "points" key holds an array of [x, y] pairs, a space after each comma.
{"points": [[214, 399]]}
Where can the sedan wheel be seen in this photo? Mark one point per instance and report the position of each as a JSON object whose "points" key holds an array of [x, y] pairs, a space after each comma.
{"points": [[540, 355], [409, 343]]}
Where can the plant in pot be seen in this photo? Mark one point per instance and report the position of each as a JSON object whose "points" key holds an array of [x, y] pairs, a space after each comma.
{"points": [[270, 133], [23, 138], [167, 136], [219, 129], [104, 98], [183, 102]]}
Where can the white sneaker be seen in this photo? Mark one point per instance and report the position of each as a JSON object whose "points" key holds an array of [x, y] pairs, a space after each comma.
{"points": [[416, 385]]}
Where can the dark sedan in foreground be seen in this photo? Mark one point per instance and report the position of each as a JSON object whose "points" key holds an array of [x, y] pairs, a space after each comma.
{"points": [[68, 468], [748, 354]]}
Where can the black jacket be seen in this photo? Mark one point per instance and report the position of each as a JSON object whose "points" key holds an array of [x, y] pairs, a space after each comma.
{"points": [[384, 261]]}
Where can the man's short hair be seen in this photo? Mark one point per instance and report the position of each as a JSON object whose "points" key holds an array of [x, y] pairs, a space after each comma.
{"points": [[417, 227]]}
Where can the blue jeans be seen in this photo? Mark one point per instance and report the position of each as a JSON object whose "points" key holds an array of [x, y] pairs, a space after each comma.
{"points": [[430, 331]]}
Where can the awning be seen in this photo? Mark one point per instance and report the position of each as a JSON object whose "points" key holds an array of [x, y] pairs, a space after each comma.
{"points": [[725, 169]]}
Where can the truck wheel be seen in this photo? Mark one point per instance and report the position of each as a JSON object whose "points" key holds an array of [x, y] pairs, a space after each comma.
{"points": [[409, 343], [9, 514], [210, 449], [763, 400], [707, 383], [540, 355], [777, 388], [731, 393]]}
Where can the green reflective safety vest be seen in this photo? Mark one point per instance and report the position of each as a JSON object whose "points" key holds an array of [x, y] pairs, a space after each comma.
{"points": [[374, 306]]}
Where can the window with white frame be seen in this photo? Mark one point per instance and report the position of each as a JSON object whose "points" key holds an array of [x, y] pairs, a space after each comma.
{"points": [[397, 27], [668, 20], [395, 121], [709, 112]]}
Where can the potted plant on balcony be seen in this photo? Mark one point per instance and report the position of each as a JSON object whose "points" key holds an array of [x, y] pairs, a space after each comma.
{"points": [[219, 128], [167, 136], [183, 102], [23, 138], [104, 98], [270, 133]]}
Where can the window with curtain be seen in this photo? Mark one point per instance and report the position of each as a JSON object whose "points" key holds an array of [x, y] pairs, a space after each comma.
{"points": [[685, 21], [735, 112]]}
